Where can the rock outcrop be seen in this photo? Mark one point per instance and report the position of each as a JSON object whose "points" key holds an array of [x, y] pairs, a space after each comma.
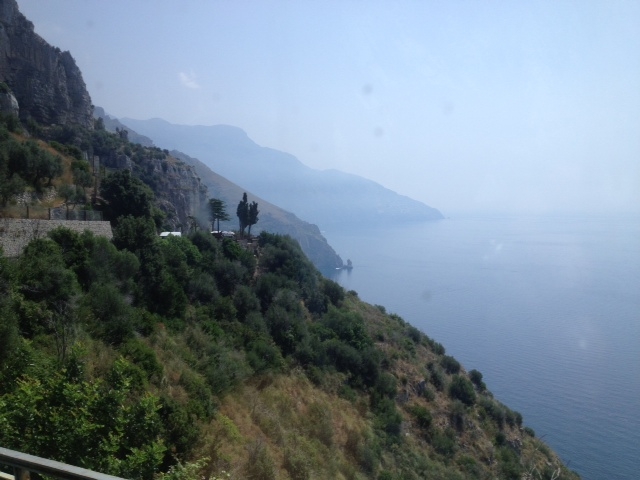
{"points": [[46, 82], [179, 192], [9, 103]]}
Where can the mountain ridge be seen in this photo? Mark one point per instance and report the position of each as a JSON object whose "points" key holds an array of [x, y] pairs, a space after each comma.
{"points": [[272, 217], [322, 196]]}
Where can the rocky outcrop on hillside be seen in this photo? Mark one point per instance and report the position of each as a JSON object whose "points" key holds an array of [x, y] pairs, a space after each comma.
{"points": [[179, 192], [46, 82], [8, 103]]}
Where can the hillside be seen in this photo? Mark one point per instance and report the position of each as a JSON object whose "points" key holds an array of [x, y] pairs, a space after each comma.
{"points": [[272, 218], [231, 357], [192, 357]]}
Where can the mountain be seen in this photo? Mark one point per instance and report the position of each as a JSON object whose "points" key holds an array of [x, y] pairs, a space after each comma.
{"points": [[321, 196], [272, 218], [46, 82]]}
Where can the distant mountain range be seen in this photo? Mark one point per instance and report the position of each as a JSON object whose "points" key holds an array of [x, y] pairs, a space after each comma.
{"points": [[271, 218], [323, 197]]}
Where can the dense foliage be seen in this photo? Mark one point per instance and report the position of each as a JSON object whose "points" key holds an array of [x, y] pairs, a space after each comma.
{"points": [[143, 355]]}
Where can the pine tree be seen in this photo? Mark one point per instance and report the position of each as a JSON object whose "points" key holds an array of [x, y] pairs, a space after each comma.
{"points": [[243, 213], [218, 211], [253, 215]]}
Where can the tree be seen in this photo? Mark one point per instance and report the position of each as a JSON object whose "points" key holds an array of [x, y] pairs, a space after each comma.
{"points": [[127, 195], [253, 215], [243, 213], [247, 214], [218, 211]]}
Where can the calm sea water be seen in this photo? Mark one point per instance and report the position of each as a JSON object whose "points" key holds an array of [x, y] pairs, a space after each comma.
{"points": [[548, 309]]}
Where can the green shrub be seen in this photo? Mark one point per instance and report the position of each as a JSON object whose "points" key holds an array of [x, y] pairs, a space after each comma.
{"points": [[450, 364], [333, 291], [348, 327], [457, 416], [111, 313], [143, 356], [470, 467], [422, 415], [436, 377], [476, 378], [428, 393], [264, 356], [462, 389], [493, 410], [297, 465], [319, 424], [260, 464], [444, 442], [510, 467], [414, 334]]}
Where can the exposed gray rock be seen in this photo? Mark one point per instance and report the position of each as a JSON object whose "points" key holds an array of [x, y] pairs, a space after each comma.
{"points": [[15, 234], [116, 160], [9, 104], [46, 82]]}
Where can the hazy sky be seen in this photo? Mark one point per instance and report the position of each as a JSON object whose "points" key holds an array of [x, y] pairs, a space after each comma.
{"points": [[527, 106]]}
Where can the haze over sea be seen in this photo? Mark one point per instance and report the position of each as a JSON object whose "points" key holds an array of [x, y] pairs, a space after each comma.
{"points": [[547, 308]]}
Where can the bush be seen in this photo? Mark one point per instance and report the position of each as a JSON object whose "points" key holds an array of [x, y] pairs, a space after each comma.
{"points": [[296, 463], [319, 423], [333, 291], [144, 357], [444, 442], [510, 466], [462, 389], [260, 464], [111, 313], [348, 327], [476, 378], [414, 334], [457, 415], [437, 377], [493, 410], [422, 415], [450, 364], [263, 356]]}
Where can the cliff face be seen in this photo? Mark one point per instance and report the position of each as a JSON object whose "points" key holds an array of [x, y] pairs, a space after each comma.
{"points": [[46, 82], [179, 192]]}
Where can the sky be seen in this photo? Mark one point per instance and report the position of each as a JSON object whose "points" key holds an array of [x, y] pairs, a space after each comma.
{"points": [[467, 106]]}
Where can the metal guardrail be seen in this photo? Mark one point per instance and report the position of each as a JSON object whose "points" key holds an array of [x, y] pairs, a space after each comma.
{"points": [[22, 463]]}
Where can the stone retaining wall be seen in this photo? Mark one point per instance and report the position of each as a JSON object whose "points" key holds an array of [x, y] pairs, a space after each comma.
{"points": [[15, 234]]}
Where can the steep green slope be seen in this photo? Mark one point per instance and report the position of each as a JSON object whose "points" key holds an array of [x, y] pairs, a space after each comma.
{"points": [[189, 348], [129, 356]]}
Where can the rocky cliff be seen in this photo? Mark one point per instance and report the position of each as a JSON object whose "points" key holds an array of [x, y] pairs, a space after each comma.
{"points": [[179, 192], [46, 82]]}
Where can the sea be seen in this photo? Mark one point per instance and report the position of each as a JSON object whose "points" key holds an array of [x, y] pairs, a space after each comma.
{"points": [[547, 308]]}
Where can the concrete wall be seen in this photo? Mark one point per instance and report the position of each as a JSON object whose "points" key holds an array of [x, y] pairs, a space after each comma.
{"points": [[15, 234]]}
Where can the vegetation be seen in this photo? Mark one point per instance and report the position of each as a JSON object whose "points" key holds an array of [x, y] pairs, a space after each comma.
{"points": [[217, 212], [247, 214], [194, 356]]}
